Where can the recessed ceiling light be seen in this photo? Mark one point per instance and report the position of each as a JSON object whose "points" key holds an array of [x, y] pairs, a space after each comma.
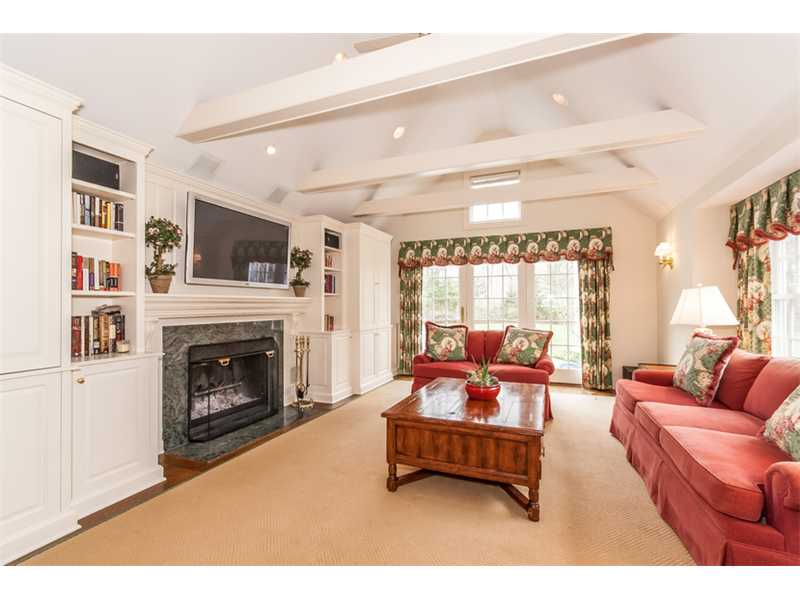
{"points": [[271, 149], [339, 57], [561, 99], [399, 132]]}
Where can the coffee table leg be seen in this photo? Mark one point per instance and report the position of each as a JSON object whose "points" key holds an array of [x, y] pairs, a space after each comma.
{"points": [[391, 481], [533, 504]]}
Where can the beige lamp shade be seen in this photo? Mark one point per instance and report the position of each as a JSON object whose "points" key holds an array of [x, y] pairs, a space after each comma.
{"points": [[703, 306]]}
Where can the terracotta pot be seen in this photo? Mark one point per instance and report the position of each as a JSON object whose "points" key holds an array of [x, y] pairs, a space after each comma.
{"points": [[480, 392], [160, 283], [299, 290]]}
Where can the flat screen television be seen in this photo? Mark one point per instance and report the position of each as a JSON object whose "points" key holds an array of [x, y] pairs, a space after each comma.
{"points": [[234, 246]]}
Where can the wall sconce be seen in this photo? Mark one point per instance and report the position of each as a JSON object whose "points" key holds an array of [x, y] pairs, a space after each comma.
{"points": [[664, 254]]}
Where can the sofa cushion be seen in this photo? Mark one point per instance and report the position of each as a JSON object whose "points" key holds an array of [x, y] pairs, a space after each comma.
{"points": [[726, 469], [630, 392], [700, 369], [652, 416], [475, 346], [783, 427], [738, 377], [492, 343], [450, 368], [523, 346], [519, 374], [772, 386], [446, 343]]}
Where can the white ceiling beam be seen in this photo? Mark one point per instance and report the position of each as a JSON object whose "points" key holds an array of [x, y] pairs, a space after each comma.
{"points": [[640, 130], [423, 62], [568, 186]]}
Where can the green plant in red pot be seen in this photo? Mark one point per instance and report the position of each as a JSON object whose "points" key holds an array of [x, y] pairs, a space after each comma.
{"points": [[162, 235], [482, 385]]}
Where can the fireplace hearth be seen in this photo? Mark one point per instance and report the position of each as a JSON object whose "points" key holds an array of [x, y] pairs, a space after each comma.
{"points": [[232, 385]]}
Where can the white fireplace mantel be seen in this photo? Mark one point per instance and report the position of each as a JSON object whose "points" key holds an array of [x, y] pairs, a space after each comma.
{"points": [[194, 306]]}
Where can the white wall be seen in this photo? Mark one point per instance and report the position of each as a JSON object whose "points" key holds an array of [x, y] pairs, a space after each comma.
{"points": [[698, 237], [166, 196], [634, 298]]}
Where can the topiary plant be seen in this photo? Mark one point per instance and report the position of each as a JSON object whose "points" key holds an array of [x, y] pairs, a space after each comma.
{"points": [[300, 260], [162, 235]]}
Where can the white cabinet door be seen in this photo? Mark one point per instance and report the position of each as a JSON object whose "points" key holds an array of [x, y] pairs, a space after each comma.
{"points": [[341, 362], [114, 429], [30, 457], [382, 283], [31, 201], [367, 355], [368, 283], [383, 350]]}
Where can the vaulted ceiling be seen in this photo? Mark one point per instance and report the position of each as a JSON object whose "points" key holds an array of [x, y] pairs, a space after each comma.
{"points": [[742, 87]]}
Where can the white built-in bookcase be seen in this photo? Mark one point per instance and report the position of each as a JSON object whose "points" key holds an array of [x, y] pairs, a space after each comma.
{"points": [[125, 247]]}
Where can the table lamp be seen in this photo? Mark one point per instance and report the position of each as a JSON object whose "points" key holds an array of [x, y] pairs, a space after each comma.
{"points": [[703, 306]]}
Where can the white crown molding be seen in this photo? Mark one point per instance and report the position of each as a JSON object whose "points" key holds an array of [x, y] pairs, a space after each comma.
{"points": [[98, 136], [36, 93], [193, 306]]}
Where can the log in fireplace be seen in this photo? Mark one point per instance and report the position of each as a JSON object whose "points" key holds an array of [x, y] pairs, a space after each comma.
{"points": [[232, 385]]}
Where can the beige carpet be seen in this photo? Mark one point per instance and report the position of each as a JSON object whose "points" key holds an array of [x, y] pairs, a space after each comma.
{"points": [[317, 495]]}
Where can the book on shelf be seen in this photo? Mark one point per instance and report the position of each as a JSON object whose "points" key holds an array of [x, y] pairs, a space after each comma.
{"points": [[98, 332], [330, 283], [329, 260], [91, 274], [97, 212], [329, 323]]}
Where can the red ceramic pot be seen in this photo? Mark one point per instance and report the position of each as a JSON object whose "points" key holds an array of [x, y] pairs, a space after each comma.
{"points": [[479, 392]]}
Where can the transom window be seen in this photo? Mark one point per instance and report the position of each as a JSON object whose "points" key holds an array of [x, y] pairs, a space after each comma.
{"points": [[785, 266], [495, 296], [556, 309], [495, 211]]}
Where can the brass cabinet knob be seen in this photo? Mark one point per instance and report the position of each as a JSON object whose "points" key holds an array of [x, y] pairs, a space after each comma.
{"points": [[81, 380]]}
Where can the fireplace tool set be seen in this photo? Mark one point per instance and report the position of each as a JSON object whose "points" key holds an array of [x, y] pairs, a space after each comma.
{"points": [[302, 348]]}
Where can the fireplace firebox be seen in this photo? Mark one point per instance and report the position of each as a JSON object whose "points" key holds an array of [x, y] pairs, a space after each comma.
{"points": [[232, 385]]}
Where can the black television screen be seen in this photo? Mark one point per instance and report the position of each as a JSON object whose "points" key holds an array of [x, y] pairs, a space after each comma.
{"points": [[228, 246]]}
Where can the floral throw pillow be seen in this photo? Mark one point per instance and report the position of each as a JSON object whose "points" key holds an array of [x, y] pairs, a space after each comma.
{"points": [[699, 370], [523, 346], [783, 427], [446, 343]]}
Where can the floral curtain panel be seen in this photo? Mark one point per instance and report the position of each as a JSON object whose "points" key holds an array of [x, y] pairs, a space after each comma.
{"points": [[771, 214], [595, 302], [410, 317], [589, 244], [754, 300]]}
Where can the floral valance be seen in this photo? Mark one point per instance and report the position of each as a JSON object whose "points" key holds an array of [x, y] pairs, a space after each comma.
{"points": [[594, 244], [771, 214]]}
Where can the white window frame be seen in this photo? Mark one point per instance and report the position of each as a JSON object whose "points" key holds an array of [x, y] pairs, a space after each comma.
{"points": [[785, 298], [526, 291]]}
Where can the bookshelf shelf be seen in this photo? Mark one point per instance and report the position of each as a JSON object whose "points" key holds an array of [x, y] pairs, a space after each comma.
{"points": [[327, 295], [111, 357], [101, 233], [333, 270], [101, 294], [101, 190], [333, 250]]}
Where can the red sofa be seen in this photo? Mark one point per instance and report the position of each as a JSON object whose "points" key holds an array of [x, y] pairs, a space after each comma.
{"points": [[484, 345], [729, 494]]}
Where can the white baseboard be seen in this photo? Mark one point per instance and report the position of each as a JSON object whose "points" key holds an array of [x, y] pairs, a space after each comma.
{"points": [[35, 537]]}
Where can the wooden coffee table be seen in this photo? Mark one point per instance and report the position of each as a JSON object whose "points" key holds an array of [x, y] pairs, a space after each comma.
{"points": [[439, 430]]}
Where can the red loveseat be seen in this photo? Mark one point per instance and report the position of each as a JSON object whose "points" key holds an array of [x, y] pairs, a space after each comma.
{"points": [[484, 345], [731, 496]]}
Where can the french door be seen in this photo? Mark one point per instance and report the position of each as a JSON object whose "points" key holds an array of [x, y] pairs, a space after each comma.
{"points": [[492, 296]]}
